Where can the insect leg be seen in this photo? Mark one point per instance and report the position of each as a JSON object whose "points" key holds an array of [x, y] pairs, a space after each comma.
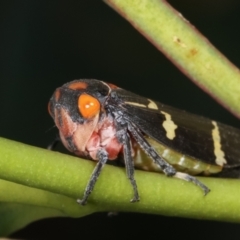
{"points": [[124, 138], [138, 136], [166, 167], [192, 179], [103, 157], [54, 143]]}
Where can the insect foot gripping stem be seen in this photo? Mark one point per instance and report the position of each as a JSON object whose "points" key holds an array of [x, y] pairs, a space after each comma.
{"points": [[192, 179], [103, 157]]}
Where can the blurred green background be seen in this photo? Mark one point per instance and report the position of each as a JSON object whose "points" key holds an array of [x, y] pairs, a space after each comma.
{"points": [[45, 44]]}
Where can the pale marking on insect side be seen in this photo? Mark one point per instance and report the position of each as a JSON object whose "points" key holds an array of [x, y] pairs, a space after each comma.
{"points": [[219, 154], [196, 166], [165, 153], [152, 104], [169, 126], [182, 159], [138, 158], [136, 104]]}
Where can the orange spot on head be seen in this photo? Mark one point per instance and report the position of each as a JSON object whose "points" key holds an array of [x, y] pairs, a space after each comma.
{"points": [[78, 85], [88, 105]]}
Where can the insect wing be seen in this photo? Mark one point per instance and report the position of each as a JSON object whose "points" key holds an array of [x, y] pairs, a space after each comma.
{"points": [[189, 134]]}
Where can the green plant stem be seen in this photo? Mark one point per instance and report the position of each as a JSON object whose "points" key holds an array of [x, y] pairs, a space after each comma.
{"points": [[191, 52], [61, 175]]}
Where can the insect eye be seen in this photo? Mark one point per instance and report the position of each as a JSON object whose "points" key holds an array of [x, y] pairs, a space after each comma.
{"points": [[88, 106]]}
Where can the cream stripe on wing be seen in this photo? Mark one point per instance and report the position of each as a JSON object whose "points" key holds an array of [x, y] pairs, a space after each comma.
{"points": [[152, 104], [136, 104], [219, 154], [169, 126]]}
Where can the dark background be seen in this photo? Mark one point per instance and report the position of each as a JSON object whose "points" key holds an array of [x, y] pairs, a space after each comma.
{"points": [[44, 44]]}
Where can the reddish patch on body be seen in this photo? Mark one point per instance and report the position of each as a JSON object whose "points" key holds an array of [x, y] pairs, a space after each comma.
{"points": [[57, 94], [88, 138], [104, 137], [64, 122], [78, 85], [112, 86]]}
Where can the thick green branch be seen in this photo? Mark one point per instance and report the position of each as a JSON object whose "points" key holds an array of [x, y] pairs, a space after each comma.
{"points": [[65, 175], [191, 52]]}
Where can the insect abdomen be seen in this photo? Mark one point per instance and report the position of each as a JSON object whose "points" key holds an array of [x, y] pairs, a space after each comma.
{"points": [[180, 162]]}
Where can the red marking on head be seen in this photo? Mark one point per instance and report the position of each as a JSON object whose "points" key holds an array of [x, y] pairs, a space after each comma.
{"points": [[78, 85], [55, 98], [88, 105], [64, 122], [49, 109]]}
